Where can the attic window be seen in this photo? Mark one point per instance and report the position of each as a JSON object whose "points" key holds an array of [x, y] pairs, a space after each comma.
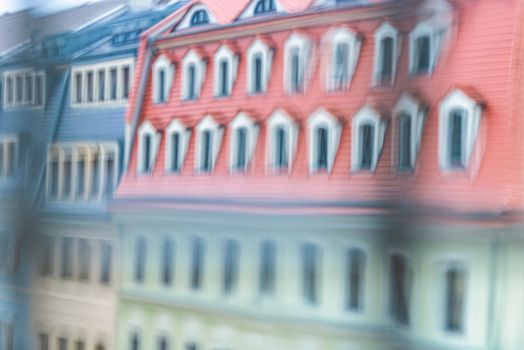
{"points": [[264, 6], [199, 17]]}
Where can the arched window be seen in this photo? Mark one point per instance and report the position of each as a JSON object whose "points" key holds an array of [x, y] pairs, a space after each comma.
{"points": [[355, 269], [267, 276], [207, 150], [208, 140], [140, 259], [368, 135], [405, 140], [167, 261], [177, 136], [424, 45], [244, 134], [264, 6], [193, 68], [259, 58], [200, 17], [147, 146], [296, 70], [455, 295], [457, 118], [163, 73], [400, 289], [226, 65]]}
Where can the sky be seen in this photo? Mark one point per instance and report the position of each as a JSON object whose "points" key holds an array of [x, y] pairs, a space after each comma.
{"points": [[46, 5]]}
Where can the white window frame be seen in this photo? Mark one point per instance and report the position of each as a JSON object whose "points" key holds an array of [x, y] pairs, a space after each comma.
{"points": [[176, 126], [162, 63], [280, 118], [259, 47], [13, 74], [185, 23], [147, 129], [367, 115], [5, 140], [407, 105], [192, 57], [322, 118], [435, 35], [305, 49], [242, 120], [225, 53], [249, 12], [331, 40], [217, 131], [384, 31], [106, 66], [457, 99]]}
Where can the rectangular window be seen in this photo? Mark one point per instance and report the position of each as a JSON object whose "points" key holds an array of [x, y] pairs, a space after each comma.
{"points": [[197, 263], [281, 151], [79, 345], [106, 258], [191, 346], [310, 272], [267, 267], [126, 82], [80, 176], [113, 82], [355, 267], [224, 78], [95, 175], [405, 142], [241, 149], [367, 137], [39, 90], [11, 159], [257, 74], [90, 86], [175, 151], [67, 257], [147, 153], [140, 259], [2, 167], [101, 85], [162, 86], [322, 148], [28, 96], [455, 289], [386, 51], [62, 344], [341, 68], [456, 131], [296, 70], [83, 259], [422, 54], [19, 88], [110, 174], [206, 160], [167, 262], [78, 88], [400, 289], [43, 341], [231, 257], [67, 176], [191, 82], [10, 90], [53, 176]]}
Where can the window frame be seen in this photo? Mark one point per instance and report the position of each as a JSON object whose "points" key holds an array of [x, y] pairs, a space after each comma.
{"points": [[185, 23], [176, 126], [208, 124], [225, 53], [304, 48], [435, 34], [147, 129], [280, 118], [386, 30], [162, 63], [24, 73], [259, 47], [366, 116], [322, 118], [6, 173], [331, 40], [242, 120], [193, 58]]}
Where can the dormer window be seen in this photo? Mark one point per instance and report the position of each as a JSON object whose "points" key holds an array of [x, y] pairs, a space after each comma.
{"points": [[194, 68], [260, 57], [424, 44], [244, 133], [163, 72], [200, 17], [297, 51], [344, 47], [324, 137], [282, 138], [459, 123], [226, 64], [209, 139], [177, 140], [368, 137], [264, 6], [386, 55], [147, 148], [408, 121]]}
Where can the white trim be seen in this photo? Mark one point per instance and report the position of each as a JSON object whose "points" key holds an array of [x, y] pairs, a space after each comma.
{"points": [[281, 118], [208, 123], [242, 120], [322, 118], [385, 31], [147, 129], [225, 53], [332, 39], [23, 74], [304, 46], [367, 116], [186, 21], [435, 35], [176, 126], [162, 63], [258, 47], [192, 57]]}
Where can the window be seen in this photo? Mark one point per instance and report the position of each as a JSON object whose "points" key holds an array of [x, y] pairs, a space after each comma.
{"points": [[126, 82], [100, 346], [106, 258], [140, 259], [191, 346], [83, 259], [455, 293], [177, 141], [148, 147], [28, 94], [243, 142], [231, 258], [264, 6], [135, 342], [297, 50], [310, 272], [422, 55], [194, 69], [408, 120], [90, 86], [62, 344], [23, 88], [386, 55], [268, 266], [8, 250], [9, 90], [199, 17], [67, 170], [8, 157], [400, 289], [405, 146], [101, 85], [19, 92], [162, 78], [459, 122], [424, 46], [324, 137], [259, 59], [209, 138], [226, 64], [43, 341], [113, 84], [282, 134], [80, 345], [110, 173], [344, 48], [95, 174], [162, 343], [66, 265], [197, 263], [48, 255], [355, 269], [167, 261], [368, 135], [79, 90], [341, 67]]}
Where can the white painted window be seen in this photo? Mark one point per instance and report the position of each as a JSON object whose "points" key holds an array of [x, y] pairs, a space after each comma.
{"points": [[177, 141], [455, 299], [244, 135], [268, 266], [231, 266], [459, 121], [196, 16], [226, 66], [259, 59], [101, 84], [368, 131], [24, 88], [401, 279], [355, 261], [48, 255], [163, 75], [424, 45], [148, 144], [193, 76], [324, 138], [197, 262], [344, 50], [8, 157], [208, 141], [297, 55], [168, 255], [408, 122], [387, 51], [310, 268], [282, 138]]}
